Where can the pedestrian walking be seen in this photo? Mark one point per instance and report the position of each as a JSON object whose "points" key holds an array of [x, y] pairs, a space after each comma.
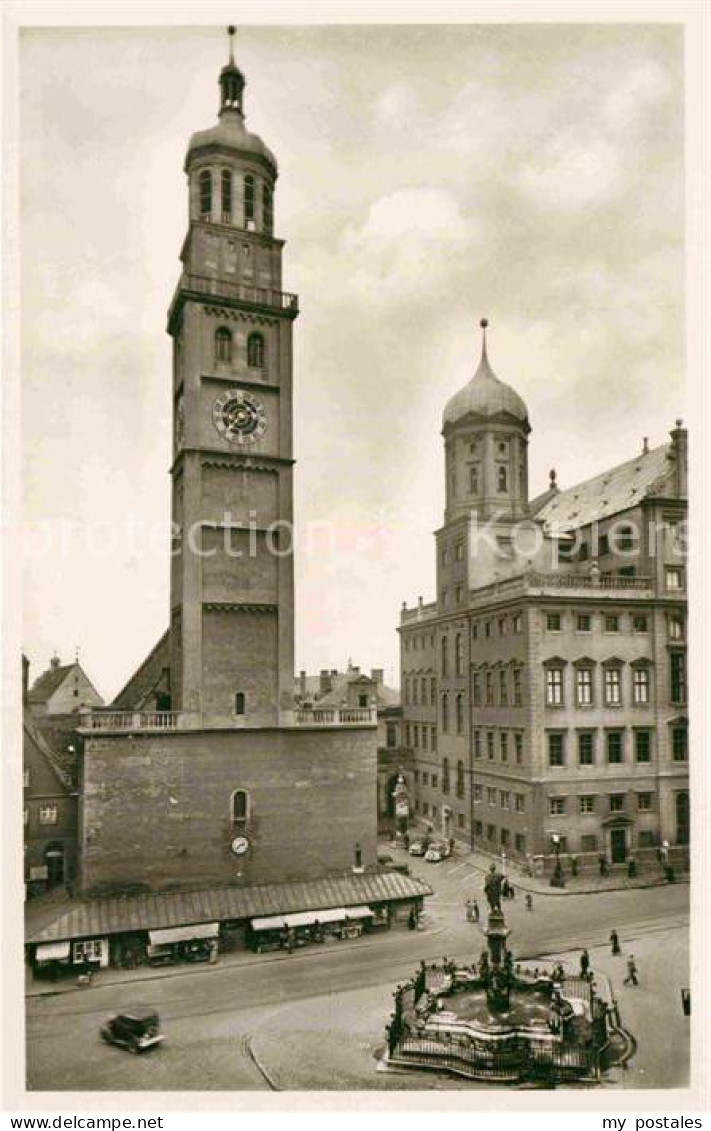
{"points": [[584, 964], [631, 979], [475, 911], [615, 942], [512, 891], [468, 909], [529, 901], [602, 865], [573, 865]]}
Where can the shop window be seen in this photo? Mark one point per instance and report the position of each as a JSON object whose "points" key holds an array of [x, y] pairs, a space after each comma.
{"points": [[48, 814]]}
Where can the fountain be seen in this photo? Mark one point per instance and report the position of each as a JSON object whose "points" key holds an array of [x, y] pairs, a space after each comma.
{"points": [[499, 1021]]}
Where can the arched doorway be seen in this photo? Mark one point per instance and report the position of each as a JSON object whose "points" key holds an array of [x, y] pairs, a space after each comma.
{"points": [[54, 859], [682, 818]]}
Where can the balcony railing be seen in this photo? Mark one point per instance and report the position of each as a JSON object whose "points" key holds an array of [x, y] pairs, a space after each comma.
{"points": [[586, 581], [133, 720], [243, 292], [337, 716]]}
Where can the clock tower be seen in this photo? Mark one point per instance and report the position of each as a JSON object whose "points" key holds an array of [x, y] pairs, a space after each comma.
{"points": [[232, 588]]}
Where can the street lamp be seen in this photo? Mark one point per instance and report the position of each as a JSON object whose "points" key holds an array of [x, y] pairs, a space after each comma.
{"points": [[557, 879]]}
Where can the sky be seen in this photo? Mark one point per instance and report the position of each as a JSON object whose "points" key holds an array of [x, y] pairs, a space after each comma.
{"points": [[429, 176]]}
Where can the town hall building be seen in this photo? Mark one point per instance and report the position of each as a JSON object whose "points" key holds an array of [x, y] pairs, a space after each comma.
{"points": [[544, 689]]}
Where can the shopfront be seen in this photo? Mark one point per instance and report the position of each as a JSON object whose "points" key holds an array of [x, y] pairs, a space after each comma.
{"points": [[195, 943], [284, 932], [52, 959]]}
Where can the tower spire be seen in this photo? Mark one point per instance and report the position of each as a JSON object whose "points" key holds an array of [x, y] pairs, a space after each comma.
{"points": [[484, 322], [231, 80]]}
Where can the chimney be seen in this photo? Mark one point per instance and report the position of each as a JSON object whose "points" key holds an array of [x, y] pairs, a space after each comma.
{"points": [[302, 684], [25, 677], [324, 681], [679, 456], [377, 675], [55, 661]]}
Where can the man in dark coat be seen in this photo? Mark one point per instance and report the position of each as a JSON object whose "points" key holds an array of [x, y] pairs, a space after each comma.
{"points": [[615, 942], [584, 964]]}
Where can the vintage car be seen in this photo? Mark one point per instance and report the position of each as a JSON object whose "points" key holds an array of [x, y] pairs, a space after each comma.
{"points": [[437, 851], [137, 1029], [419, 847]]}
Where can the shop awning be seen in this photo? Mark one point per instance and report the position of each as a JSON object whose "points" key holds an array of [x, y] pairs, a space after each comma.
{"points": [[269, 923], [184, 934], [359, 912], [46, 952], [308, 918]]}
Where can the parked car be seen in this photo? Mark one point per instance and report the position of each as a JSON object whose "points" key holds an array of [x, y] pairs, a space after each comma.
{"points": [[419, 847], [137, 1029], [437, 851]]}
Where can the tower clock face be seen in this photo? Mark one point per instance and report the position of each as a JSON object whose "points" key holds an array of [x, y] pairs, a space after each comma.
{"points": [[238, 417]]}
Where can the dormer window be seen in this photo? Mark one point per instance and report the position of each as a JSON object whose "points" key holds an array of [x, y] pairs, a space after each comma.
{"points": [[205, 194], [249, 199], [223, 345], [226, 202], [255, 351]]}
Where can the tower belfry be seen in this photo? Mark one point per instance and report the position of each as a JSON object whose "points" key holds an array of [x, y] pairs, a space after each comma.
{"points": [[231, 633]]}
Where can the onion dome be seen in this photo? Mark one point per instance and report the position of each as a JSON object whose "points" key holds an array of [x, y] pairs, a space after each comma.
{"points": [[485, 394], [230, 133]]}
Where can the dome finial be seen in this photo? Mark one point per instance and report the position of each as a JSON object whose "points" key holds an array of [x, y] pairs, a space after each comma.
{"points": [[231, 32], [231, 80], [483, 322]]}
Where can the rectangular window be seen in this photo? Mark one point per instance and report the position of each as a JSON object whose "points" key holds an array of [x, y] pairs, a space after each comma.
{"points": [[518, 743], [520, 803], [676, 628], [425, 777], [517, 692], [417, 776], [517, 624], [490, 744], [586, 749], [587, 803], [478, 829], [556, 806], [505, 838], [588, 843], [640, 686], [680, 749], [477, 744], [476, 690], [504, 740], [459, 594], [584, 687], [491, 797], [640, 624], [556, 749], [520, 842], [491, 832], [475, 631], [678, 677], [425, 733], [490, 689], [503, 689], [554, 687], [615, 752], [644, 802], [612, 624], [553, 622], [459, 551], [460, 820], [613, 687], [502, 626], [425, 808], [643, 745], [435, 781], [584, 623], [604, 545], [433, 744], [48, 814], [617, 802], [487, 629], [415, 735], [674, 578], [478, 792], [408, 734], [646, 838]]}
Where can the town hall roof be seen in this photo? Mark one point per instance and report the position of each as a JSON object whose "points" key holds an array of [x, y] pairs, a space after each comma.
{"points": [[485, 394], [613, 491]]}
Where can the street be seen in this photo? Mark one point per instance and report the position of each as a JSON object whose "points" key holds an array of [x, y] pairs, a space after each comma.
{"points": [[315, 1019]]}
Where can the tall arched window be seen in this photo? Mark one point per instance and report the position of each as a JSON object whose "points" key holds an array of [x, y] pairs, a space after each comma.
{"points": [[255, 351], [460, 778], [458, 654], [445, 656], [223, 344], [445, 715], [240, 703], [460, 714], [226, 195], [249, 196], [445, 775], [267, 209], [239, 808], [206, 194], [502, 480]]}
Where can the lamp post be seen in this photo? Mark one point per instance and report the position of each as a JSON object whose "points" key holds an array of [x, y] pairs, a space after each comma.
{"points": [[557, 879]]}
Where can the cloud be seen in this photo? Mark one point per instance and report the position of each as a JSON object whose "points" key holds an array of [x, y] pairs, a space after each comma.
{"points": [[642, 90], [572, 173]]}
